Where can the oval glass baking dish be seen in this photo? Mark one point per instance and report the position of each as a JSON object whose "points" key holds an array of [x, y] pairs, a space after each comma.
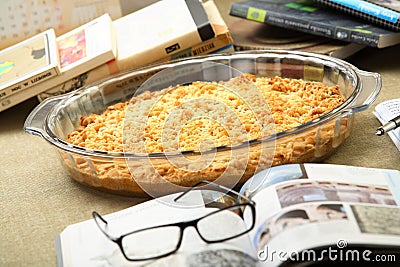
{"points": [[154, 174]]}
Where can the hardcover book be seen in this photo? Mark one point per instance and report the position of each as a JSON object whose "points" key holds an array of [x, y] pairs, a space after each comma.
{"points": [[305, 214], [382, 13], [28, 63], [130, 57], [22, 19], [219, 44], [158, 38], [301, 16], [79, 51], [86, 47], [252, 35]]}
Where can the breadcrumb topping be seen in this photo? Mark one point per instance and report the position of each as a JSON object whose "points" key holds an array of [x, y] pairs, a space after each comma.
{"points": [[224, 113]]}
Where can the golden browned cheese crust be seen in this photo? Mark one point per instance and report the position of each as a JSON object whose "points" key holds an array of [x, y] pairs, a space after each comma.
{"points": [[291, 103]]}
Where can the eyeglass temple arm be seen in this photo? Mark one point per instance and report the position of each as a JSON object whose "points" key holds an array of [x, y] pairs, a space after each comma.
{"points": [[94, 213], [190, 189], [215, 185]]}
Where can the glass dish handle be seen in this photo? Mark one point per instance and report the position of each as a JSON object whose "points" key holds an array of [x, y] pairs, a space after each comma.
{"points": [[371, 84], [36, 121]]}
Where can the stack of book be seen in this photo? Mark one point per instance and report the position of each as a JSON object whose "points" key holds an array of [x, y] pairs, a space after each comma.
{"points": [[45, 65], [353, 21], [32, 65]]}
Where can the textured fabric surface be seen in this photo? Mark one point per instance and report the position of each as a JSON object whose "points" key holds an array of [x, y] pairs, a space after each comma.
{"points": [[37, 200]]}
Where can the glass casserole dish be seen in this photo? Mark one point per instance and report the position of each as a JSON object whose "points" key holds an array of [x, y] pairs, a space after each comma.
{"points": [[155, 174]]}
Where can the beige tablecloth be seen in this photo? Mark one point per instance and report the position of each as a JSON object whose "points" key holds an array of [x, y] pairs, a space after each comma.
{"points": [[37, 200]]}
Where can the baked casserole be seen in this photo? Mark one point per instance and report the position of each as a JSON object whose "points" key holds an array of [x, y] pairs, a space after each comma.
{"points": [[165, 135]]}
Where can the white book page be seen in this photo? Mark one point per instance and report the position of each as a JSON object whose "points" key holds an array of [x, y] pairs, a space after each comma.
{"points": [[386, 111], [298, 212], [83, 244], [352, 224], [335, 175]]}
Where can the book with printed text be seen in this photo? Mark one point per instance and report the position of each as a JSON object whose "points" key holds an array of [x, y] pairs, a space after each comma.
{"points": [[160, 38], [252, 35], [129, 57], [384, 13], [305, 17], [28, 63], [79, 51]]}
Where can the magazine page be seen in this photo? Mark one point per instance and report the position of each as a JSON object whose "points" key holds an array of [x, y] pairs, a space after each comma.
{"points": [[334, 231], [83, 244], [282, 186], [311, 203]]}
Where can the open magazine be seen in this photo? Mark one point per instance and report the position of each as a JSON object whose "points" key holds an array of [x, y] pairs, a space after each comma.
{"points": [[305, 213]]}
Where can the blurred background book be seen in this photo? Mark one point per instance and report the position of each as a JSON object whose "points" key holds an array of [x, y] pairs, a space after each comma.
{"points": [[251, 35], [198, 30], [132, 56], [21, 19], [246, 27], [306, 17], [383, 13], [76, 52], [28, 63]]}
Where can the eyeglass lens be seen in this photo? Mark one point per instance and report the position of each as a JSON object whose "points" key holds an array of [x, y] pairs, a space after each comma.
{"points": [[162, 240], [150, 243], [224, 224]]}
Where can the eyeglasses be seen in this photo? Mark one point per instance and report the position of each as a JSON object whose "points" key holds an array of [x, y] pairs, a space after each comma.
{"points": [[159, 241]]}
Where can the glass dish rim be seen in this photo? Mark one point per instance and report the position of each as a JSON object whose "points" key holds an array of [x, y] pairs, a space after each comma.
{"points": [[249, 54]]}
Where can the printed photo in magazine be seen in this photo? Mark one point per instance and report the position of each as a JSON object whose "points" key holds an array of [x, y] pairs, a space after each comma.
{"points": [[290, 215]]}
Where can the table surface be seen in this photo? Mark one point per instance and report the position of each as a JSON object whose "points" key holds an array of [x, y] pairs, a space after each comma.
{"points": [[38, 200]]}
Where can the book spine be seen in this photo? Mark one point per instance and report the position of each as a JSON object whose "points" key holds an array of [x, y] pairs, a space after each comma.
{"points": [[33, 81], [368, 11], [19, 97], [204, 48], [165, 35], [242, 10]]}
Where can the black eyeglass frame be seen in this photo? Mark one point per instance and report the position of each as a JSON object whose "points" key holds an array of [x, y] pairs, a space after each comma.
{"points": [[182, 225]]}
